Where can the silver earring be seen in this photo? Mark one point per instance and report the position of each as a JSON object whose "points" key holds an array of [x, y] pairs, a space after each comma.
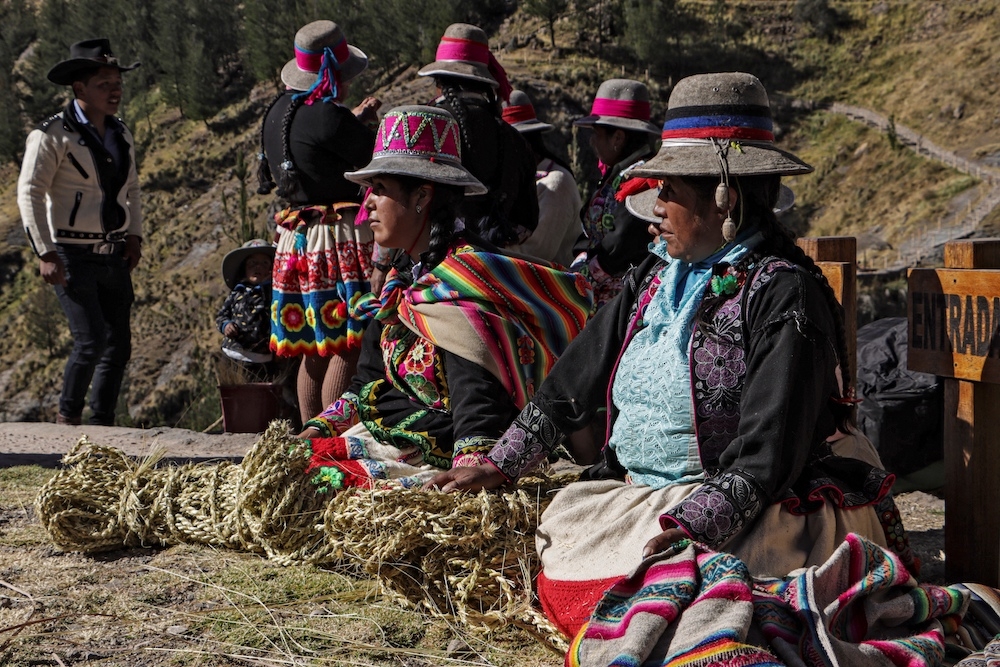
{"points": [[419, 210]]}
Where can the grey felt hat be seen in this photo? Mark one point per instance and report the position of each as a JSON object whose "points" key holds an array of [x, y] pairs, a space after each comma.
{"points": [[90, 54], [621, 103], [641, 204], [311, 40], [463, 52], [234, 259], [422, 142], [519, 112], [719, 123]]}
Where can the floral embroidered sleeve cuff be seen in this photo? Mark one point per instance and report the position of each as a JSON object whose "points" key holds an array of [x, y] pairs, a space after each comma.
{"points": [[719, 509], [471, 451], [525, 443], [339, 416]]}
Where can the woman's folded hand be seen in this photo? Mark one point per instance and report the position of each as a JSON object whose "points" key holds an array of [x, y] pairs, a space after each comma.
{"points": [[662, 542], [475, 478]]}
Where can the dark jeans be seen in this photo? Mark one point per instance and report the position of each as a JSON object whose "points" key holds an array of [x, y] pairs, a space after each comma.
{"points": [[97, 300]]}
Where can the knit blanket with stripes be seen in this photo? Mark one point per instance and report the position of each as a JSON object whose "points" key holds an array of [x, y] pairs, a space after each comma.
{"points": [[693, 606]]}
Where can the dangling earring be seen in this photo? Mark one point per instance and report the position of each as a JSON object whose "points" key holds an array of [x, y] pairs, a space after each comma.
{"points": [[722, 201], [729, 228], [419, 210]]}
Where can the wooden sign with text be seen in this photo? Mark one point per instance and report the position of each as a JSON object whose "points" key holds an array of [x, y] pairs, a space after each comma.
{"points": [[954, 323]]}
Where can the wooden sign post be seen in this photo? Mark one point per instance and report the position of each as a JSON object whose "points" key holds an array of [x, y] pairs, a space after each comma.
{"points": [[954, 332], [837, 258]]}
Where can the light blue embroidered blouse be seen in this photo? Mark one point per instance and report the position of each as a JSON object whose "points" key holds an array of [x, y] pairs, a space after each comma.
{"points": [[653, 435]]}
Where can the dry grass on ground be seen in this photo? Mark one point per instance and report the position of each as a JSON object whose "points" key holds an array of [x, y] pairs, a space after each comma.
{"points": [[191, 605]]}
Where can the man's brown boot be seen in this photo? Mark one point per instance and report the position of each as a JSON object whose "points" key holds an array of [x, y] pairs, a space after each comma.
{"points": [[68, 421]]}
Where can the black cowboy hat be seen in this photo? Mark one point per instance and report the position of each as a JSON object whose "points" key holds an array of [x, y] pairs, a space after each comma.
{"points": [[89, 54]]}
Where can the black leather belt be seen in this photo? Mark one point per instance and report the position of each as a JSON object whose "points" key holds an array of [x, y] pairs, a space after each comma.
{"points": [[102, 248]]}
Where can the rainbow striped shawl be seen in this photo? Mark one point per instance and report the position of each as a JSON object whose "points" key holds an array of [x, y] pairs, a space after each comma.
{"points": [[508, 315], [693, 607]]}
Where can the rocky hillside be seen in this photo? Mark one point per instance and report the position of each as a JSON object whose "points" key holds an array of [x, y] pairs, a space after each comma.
{"points": [[928, 65]]}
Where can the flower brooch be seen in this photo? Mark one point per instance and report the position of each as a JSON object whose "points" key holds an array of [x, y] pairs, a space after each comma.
{"points": [[726, 280]]}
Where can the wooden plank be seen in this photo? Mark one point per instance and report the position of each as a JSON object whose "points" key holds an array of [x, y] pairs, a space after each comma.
{"points": [[972, 491], [842, 251], [842, 277], [977, 254], [830, 248], [954, 323], [971, 435]]}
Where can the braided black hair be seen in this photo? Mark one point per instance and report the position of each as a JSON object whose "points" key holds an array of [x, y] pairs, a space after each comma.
{"points": [[265, 180], [758, 196], [288, 181], [451, 87], [441, 215]]}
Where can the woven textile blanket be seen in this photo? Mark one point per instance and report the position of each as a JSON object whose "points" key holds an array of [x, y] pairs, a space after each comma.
{"points": [[694, 606]]}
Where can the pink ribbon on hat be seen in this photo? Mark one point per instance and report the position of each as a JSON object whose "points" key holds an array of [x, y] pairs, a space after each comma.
{"points": [[518, 113], [635, 109], [312, 61], [455, 48], [326, 64]]}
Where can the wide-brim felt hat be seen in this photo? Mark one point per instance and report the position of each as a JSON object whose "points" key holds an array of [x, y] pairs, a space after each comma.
{"points": [[719, 122], [87, 55], [463, 52], [311, 40], [621, 103], [421, 142], [234, 259], [641, 204], [519, 113]]}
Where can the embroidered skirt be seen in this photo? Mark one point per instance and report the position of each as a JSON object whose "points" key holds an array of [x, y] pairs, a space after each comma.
{"points": [[357, 459], [322, 264], [593, 534]]}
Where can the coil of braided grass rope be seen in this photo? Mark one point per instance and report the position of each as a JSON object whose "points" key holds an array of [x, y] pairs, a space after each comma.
{"points": [[280, 511], [105, 500], [80, 510], [464, 557]]}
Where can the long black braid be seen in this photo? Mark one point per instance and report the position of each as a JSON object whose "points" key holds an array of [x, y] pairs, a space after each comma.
{"points": [[265, 180], [489, 221], [288, 181], [441, 215], [759, 194], [451, 87]]}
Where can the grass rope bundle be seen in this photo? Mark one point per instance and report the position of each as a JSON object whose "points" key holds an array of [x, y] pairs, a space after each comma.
{"points": [[464, 557], [81, 511], [280, 510]]}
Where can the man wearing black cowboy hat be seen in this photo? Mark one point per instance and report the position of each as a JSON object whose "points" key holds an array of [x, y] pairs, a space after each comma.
{"points": [[79, 198]]}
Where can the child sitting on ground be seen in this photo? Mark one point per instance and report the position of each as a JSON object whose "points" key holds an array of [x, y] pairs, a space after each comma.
{"points": [[244, 318]]}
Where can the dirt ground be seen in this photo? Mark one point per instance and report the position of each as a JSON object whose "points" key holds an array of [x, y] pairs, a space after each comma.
{"points": [[31, 443], [191, 605]]}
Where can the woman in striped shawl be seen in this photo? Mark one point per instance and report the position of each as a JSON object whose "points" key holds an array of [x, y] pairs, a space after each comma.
{"points": [[460, 336]]}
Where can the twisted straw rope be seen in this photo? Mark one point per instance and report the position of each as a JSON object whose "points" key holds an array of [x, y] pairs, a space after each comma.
{"points": [[464, 557]]}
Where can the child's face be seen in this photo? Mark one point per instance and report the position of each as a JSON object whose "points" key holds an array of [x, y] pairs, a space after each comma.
{"points": [[258, 268]]}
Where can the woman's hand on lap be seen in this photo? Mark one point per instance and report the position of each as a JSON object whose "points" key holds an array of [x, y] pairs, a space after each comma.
{"points": [[472, 478], [662, 542]]}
